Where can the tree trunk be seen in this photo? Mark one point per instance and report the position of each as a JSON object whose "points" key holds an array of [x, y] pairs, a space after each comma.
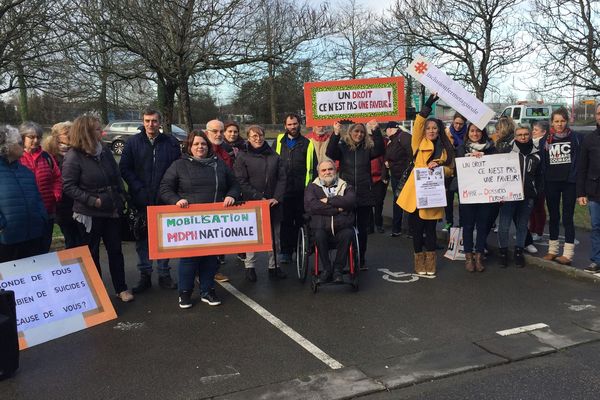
{"points": [[185, 106], [409, 93], [166, 101], [102, 98], [23, 105]]}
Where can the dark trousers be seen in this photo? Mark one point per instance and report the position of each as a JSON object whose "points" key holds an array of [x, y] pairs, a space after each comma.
{"points": [[555, 191], [109, 231], [47, 236], [450, 203], [397, 212], [206, 266], [363, 213], [537, 220], [380, 190], [293, 210], [475, 216], [16, 251], [420, 227], [342, 240], [71, 233]]}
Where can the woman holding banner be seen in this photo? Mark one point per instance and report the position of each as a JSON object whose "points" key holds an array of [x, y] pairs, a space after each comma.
{"points": [[475, 216], [261, 174], [560, 151], [198, 177], [91, 178], [432, 149], [354, 149], [519, 211]]}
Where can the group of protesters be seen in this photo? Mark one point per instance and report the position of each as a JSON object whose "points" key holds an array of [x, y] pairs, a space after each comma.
{"points": [[72, 180]]}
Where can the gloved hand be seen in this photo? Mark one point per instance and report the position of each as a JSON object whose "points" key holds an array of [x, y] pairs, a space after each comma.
{"points": [[426, 109], [432, 99]]}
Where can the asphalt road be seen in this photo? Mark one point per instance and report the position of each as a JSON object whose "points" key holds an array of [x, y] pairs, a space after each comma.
{"points": [[417, 338]]}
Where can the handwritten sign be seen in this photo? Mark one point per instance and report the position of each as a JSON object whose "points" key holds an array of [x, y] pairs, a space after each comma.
{"points": [[208, 229], [359, 100], [429, 186], [56, 294], [450, 91], [489, 179]]}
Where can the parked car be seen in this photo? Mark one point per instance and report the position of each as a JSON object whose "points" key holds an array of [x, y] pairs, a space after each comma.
{"points": [[528, 113], [117, 133]]}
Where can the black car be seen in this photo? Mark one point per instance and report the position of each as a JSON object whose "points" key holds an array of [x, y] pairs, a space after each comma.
{"points": [[117, 133]]}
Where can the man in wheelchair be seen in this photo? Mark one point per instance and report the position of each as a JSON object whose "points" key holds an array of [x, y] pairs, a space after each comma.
{"points": [[330, 202]]}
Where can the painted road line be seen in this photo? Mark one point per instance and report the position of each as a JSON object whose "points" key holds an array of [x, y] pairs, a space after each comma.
{"points": [[521, 329], [283, 327]]}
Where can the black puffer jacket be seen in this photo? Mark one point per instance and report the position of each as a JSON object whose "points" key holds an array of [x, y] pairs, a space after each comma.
{"points": [[531, 172], [355, 165], [260, 174], [87, 178], [327, 215], [588, 173], [398, 153], [198, 181]]}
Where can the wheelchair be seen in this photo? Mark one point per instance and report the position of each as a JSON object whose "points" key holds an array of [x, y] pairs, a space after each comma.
{"points": [[306, 247]]}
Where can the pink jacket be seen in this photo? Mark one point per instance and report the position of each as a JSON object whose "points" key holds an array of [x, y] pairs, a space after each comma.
{"points": [[47, 176]]}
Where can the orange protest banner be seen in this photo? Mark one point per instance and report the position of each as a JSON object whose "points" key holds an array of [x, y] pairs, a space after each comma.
{"points": [[359, 100], [56, 294], [209, 229]]}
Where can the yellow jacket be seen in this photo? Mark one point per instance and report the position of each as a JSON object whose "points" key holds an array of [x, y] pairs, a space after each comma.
{"points": [[424, 148]]}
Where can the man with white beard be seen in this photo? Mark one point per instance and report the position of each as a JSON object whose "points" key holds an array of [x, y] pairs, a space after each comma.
{"points": [[330, 202]]}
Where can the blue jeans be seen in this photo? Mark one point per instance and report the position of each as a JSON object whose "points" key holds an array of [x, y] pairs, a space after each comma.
{"points": [[397, 212], [206, 267], [475, 216], [144, 263], [594, 207], [520, 211]]}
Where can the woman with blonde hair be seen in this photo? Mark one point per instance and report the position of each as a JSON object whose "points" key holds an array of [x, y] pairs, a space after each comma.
{"points": [[57, 145], [354, 149], [92, 179]]}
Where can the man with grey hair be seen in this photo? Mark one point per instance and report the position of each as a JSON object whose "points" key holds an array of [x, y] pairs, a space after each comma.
{"points": [[588, 189], [145, 159], [23, 217], [330, 202], [215, 130]]}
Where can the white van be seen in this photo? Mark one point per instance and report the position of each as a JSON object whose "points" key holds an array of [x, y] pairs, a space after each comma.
{"points": [[528, 113]]}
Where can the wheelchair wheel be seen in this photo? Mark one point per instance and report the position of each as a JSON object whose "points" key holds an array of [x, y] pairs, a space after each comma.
{"points": [[302, 254], [314, 284], [356, 249], [355, 260]]}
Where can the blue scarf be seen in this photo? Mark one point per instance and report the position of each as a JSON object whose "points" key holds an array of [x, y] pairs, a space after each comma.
{"points": [[458, 136]]}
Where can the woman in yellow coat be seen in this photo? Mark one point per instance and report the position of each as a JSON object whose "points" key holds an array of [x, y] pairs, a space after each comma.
{"points": [[432, 149]]}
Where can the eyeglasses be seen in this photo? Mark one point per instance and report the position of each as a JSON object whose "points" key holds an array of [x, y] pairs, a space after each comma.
{"points": [[523, 135], [255, 137]]}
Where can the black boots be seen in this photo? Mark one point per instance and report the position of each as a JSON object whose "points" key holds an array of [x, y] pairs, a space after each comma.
{"points": [[519, 257], [143, 284], [503, 257]]}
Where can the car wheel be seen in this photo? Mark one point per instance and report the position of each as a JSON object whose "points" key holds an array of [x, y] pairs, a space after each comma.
{"points": [[118, 146]]}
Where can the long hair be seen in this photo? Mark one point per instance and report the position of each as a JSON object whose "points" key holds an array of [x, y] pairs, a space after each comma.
{"points": [[367, 141], [446, 144], [505, 128], [82, 135], [50, 144]]}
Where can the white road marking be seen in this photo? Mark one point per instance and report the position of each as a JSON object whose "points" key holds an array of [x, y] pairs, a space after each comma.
{"points": [[127, 326], [283, 327], [219, 377], [521, 329], [401, 277]]}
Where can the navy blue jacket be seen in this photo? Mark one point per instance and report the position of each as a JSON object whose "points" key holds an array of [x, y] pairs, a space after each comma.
{"points": [[22, 214], [144, 164]]}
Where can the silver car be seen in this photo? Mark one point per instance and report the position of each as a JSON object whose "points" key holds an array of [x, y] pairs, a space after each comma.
{"points": [[117, 133]]}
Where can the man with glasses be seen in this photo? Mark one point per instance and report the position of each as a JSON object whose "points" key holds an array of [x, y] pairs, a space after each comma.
{"points": [[145, 159], [215, 131]]}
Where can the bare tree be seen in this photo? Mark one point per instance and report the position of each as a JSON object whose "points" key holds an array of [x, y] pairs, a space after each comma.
{"points": [[28, 43], [569, 34], [352, 50], [475, 40]]}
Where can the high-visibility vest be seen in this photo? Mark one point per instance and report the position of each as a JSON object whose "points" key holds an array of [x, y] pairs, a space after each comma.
{"points": [[309, 157]]}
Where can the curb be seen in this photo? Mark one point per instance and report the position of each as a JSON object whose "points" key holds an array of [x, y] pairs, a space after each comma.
{"points": [[565, 269]]}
